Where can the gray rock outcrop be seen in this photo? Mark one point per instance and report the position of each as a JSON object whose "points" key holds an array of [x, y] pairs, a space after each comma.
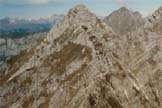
{"points": [[123, 21]]}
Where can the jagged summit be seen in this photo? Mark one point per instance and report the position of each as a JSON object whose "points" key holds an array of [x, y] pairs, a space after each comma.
{"points": [[154, 22], [123, 20], [123, 9], [78, 17], [155, 16], [80, 12], [80, 7]]}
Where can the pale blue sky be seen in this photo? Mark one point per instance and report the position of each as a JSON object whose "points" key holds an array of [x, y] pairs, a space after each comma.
{"points": [[41, 8]]}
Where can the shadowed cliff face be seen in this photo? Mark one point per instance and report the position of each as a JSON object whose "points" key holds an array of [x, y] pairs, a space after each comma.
{"points": [[82, 63], [124, 21]]}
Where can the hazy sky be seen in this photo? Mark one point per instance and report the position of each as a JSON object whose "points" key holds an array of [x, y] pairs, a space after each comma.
{"points": [[41, 8]]}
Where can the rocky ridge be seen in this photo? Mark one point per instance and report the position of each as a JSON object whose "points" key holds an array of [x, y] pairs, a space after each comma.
{"points": [[87, 65], [154, 22]]}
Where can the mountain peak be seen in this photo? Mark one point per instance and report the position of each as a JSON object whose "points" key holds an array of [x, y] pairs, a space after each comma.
{"points": [[78, 10], [124, 20], [124, 9], [80, 7], [157, 14], [79, 15], [154, 22]]}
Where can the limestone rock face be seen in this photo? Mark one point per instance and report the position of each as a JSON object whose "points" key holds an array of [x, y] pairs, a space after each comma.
{"points": [[123, 21], [10, 47], [154, 22], [82, 63], [2, 41]]}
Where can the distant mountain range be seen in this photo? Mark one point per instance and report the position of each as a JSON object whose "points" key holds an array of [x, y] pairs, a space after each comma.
{"points": [[15, 28]]}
